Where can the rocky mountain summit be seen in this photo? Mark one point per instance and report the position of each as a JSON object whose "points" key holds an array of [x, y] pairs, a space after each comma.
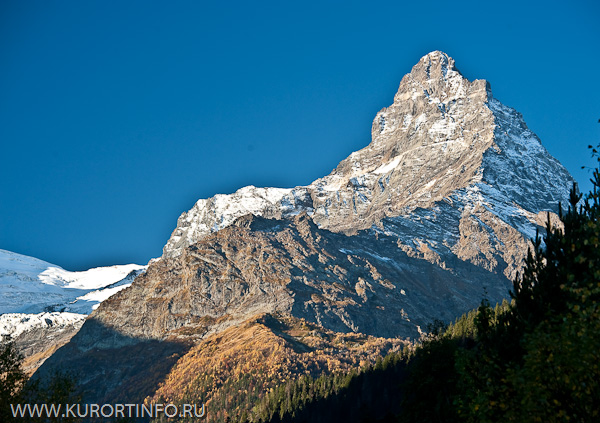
{"points": [[421, 224], [445, 146]]}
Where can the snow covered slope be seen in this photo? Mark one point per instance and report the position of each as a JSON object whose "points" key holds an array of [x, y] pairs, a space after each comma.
{"points": [[37, 336], [15, 324], [29, 285], [43, 305]]}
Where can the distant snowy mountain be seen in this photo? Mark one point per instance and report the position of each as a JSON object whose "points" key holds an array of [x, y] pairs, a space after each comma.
{"points": [[30, 285], [43, 305], [16, 324]]}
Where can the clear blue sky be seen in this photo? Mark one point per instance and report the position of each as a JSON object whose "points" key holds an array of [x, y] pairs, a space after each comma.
{"points": [[115, 117]]}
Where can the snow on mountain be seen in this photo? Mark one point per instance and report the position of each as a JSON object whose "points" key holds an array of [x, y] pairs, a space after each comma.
{"points": [[43, 305], [37, 336], [220, 211], [15, 324], [29, 285]]}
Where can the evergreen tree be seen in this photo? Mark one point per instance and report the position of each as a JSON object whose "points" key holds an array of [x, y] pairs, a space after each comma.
{"points": [[12, 379], [540, 361]]}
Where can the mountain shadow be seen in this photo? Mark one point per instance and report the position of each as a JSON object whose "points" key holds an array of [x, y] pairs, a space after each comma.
{"points": [[110, 367]]}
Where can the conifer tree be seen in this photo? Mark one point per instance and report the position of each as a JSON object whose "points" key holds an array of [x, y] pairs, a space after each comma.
{"points": [[12, 379], [540, 361]]}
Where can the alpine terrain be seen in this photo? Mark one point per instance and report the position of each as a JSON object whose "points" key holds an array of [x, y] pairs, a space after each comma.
{"points": [[267, 283]]}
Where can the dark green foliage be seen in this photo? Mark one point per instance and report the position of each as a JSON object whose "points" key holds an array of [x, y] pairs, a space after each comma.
{"points": [[539, 362], [12, 379], [369, 395], [60, 388], [430, 389], [465, 327]]}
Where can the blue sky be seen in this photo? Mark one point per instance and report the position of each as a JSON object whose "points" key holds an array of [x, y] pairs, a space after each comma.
{"points": [[115, 117]]}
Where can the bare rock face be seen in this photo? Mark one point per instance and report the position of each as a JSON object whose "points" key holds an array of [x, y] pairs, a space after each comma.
{"points": [[366, 283], [362, 283]]}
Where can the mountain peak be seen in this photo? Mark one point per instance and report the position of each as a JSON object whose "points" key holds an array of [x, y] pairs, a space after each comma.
{"points": [[444, 140], [435, 62], [435, 76], [434, 67]]}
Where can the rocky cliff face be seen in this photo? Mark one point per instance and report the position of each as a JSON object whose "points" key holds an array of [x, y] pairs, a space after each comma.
{"points": [[419, 225], [362, 283]]}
